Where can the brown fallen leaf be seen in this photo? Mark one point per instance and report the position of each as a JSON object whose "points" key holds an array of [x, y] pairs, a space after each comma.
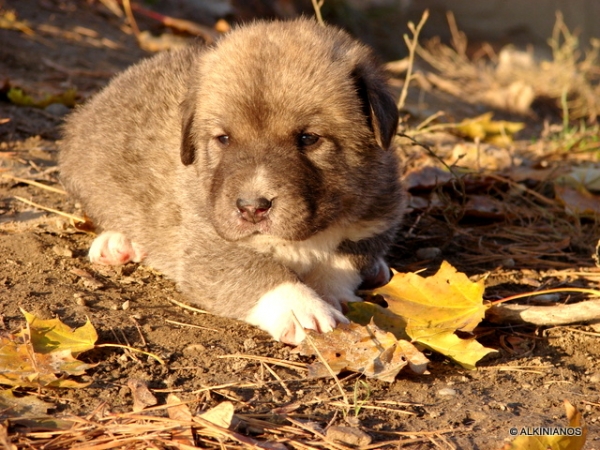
{"points": [[221, 415], [181, 412], [363, 349], [142, 397], [578, 201], [26, 406]]}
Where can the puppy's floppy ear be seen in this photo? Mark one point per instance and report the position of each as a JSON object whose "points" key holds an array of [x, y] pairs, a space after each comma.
{"points": [[188, 149], [378, 104]]}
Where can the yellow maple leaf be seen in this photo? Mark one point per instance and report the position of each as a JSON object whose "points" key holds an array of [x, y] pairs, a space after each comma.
{"points": [[433, 308], [41, 355], [52, 335], [446, 300]]}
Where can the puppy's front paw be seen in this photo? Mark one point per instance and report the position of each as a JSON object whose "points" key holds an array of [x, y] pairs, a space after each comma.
{"points": [[113, 249], [275, 312]]}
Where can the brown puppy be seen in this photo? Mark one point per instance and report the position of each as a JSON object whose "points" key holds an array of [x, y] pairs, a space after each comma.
{"points": [[257, 174]]}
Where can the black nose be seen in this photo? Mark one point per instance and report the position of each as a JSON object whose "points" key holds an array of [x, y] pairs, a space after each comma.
{"points": [[254, 210]]}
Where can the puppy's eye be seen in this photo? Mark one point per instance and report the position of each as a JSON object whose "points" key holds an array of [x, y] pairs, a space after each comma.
{"points": [[223, 140], [308, 139]]}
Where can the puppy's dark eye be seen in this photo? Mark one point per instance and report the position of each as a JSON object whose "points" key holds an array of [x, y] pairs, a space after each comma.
{"points": [[223, 140], [308, 139]]}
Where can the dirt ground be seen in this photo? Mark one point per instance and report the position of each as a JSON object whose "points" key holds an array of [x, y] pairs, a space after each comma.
{"points": [[44, 270]]}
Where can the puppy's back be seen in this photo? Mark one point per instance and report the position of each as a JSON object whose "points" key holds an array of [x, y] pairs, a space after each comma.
{"points": [[121, 149]]}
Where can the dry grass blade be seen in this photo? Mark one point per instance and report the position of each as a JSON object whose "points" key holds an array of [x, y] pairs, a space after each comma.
{"points": [[274, 361], [372, 407], [317, 4], [412, 47], [174, 322], [55, 211], [34, 183], [188, 307]]}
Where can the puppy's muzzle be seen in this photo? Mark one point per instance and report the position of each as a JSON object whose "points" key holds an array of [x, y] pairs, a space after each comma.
{"points": [[253, 210]]}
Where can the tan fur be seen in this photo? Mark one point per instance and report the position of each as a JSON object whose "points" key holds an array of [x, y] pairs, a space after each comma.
{"points": [[147, 160]]}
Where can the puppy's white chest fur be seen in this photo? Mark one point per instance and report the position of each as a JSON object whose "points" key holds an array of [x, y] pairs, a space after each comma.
{"points": [[303, 256]]}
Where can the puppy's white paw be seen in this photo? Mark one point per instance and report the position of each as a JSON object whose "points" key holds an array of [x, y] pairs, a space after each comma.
{"points": [[113, 249], [275, 313]]}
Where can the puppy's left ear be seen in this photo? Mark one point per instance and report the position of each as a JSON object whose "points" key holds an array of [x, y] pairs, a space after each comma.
{"points": [[378, 103], [188, 148]]}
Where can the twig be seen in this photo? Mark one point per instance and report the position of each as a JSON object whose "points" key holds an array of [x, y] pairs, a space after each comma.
{"points": [[130, 18], [127, 347], [317, 7], [275, 361], [547, 291], [34, 183], [279, 379], [192, 326], [55, 211], [184, 306], [585, 311], [139, 330], [412, 47]]}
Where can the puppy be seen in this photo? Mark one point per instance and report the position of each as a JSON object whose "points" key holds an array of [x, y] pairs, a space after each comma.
{"points": [[257, 173]]}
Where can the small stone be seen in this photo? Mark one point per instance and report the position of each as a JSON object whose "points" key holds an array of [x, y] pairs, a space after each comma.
{"points": [[249, 344], [193, 350], [595, 378], [57, 109], [446, 392], [62, 251], [428, 253], [507, 263], [348, 435], [546, 298], [125, 306]]}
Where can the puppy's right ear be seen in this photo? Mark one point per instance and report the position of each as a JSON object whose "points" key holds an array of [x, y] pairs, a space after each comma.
{"points": [[188, 149]]}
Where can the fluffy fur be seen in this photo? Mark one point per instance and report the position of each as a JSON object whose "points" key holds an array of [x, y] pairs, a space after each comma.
{"points": [[257, 173]]}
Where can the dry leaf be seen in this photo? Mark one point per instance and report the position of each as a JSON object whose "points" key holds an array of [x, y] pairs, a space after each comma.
{"points": [[220, 415], [180, 412], [50, 335], [41, 355], [482, 127], [19, 97], [142, 397], [435, 307], [26, 406], [364, 313], [571, 438], [363, 349], [447, 300], [587, 177], [578, 201]]}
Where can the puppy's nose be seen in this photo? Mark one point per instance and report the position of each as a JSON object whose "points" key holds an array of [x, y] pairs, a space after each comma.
{"points": [[253, 210]]}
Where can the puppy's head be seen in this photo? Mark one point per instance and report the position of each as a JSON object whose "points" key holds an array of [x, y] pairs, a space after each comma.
{"points": [[288, 124]]}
